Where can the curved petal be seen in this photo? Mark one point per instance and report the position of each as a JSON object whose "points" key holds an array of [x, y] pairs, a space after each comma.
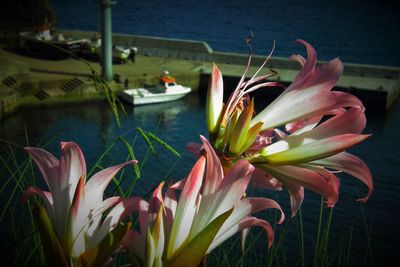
{"points": [[309, 151], [194, 148], [95, 216], [187, 206], [304, 125], [296, 192], [158, 234], [298, 58], [322, 181], [155, 203], [214, 102], [77, 220], [48, 166], [178, 185], [350, 121], [46, 196], [240, 134], [308, 66], [297, 105], [241, 210], [214, 171], [118, 213], [229, 192], [96, 185], [352, 165], [309, 95], [263, 139], [72, 168], [170, 205], [262, 179], [253, 221], [196, 248]]}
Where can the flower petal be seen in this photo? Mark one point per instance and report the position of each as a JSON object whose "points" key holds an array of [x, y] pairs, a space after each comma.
{"points": [[262, 179], [308, 66], [296, 192], [309, 95], [304, 125], [214, 99], [322, 181], [118, 213], [77, 221], [242, 126], [253, 221], [52, 247], [242, 209], [297, 105], [214, 171], [95, 216], [194, 148], [187, 206], [170, 205], [158, 234], [96, 185], [310, 151], [351, 164], [72, 168], [155, 203], [46, 196], [47, 164], [230, 191], [193, 252], [350, 121]]}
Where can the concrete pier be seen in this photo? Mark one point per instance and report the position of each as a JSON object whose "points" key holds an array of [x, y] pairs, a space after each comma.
{"points": [[28, 81]]}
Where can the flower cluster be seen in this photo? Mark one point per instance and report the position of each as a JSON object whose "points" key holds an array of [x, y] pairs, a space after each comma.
{"points": [[299, 140], [211, 208], [71, 222]]}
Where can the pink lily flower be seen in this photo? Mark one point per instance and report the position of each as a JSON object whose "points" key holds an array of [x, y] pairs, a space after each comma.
{"points": [[307, 153], [211, 208], [304, 158], [71, 223]]}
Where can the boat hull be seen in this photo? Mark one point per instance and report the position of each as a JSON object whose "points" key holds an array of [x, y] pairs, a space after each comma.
{"points": [[135, 97]]}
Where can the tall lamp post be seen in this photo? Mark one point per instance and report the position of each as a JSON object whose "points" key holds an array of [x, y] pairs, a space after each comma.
{"points": [[106, 39]]}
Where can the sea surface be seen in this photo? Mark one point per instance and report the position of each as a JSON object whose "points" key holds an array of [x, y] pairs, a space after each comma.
{"points": [[360, 31], [356, 31]]}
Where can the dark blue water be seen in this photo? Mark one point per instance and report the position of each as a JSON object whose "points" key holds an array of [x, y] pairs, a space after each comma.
{"points": [[356, 31], [362, 31]]}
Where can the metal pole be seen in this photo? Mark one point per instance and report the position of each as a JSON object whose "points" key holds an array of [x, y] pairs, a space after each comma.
{"points": [[106, 39]]}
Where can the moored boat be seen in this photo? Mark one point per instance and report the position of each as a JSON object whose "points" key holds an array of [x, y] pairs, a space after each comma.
{"points": [[168, 91]]}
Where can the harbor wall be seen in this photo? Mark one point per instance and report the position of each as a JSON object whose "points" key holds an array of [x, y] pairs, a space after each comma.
{"points": [[201, 51], [377, 86]]}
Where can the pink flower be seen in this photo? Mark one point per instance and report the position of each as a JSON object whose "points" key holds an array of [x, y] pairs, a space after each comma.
{"points": [[211, 208], [319, 125], [71, 221]]}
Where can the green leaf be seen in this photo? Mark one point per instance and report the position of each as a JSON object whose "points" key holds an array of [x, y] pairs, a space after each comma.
{"points": [[192, 253], [164, 144], [147, 140], [52, 248], [131, 154]]}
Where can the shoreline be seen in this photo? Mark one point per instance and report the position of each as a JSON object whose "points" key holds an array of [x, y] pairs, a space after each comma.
{"points": [[29, 81]]}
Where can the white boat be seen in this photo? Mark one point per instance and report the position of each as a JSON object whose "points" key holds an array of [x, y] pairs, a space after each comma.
{"points": [[165, 92]]}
